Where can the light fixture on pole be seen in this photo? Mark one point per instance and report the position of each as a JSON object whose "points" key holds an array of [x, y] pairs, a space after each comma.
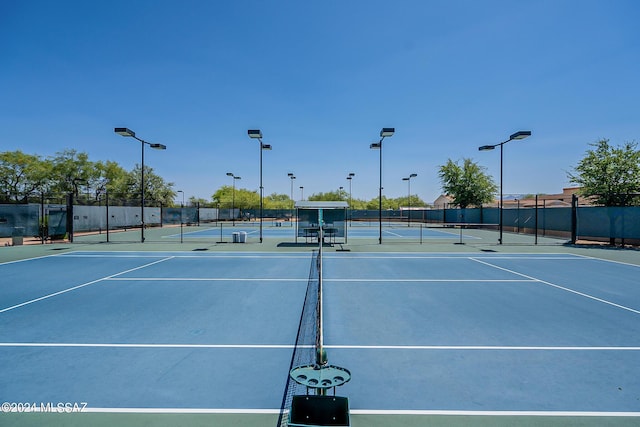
{"points": [[129, 133], [257, 134], [516, 136], [233, 198], [408, 179], [301, 193], [384, 133]]}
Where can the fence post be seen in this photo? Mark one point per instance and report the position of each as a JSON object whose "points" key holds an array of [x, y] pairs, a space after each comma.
{"points": [[574, 218], [536, 222], [43, 222], [70, 216]]}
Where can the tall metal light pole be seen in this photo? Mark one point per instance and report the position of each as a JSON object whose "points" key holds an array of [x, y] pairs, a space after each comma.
{"points": [[132, 134], [408, 179], [181, 211], [301, 193], [350, 178], [233, 198], [257, 134], [518, 135], [385, 132], [291, 178]]}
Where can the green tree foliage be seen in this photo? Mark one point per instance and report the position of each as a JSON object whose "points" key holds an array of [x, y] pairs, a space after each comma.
{"points": [[198, 201], [611, 175], [72, 171], [244, 199], [468, 184], [156, 190], [117, 183], [414, 202], [330, 196], [277, 201], [22, 175], [387, 204]]}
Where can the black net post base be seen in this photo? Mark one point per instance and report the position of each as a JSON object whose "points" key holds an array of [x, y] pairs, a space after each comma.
{"points": [[315, 410]]}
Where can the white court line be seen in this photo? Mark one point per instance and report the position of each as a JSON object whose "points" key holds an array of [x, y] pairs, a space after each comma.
{"points": [[166, 346], [495, 413], [430, 280], [479, 347], [132, 254], [80, 286], [336, 347], [587, 257], [31, 259], [199, 279], [560, 287], [362, 412], [89, 409], [462, 256], [235, 279]]}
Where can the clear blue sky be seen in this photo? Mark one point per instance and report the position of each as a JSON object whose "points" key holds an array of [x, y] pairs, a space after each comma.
{"points": [[320, 79]]}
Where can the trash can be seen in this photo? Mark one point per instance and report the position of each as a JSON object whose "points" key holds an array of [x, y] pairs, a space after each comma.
{"points": [[17, 237], [243, 237], [235, 237]]}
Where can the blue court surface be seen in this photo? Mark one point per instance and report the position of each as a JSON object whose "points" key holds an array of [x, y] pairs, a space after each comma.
{"points": [[421, 333]]}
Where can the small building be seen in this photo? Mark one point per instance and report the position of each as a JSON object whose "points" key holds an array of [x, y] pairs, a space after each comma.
{"points": [[321, 218]]}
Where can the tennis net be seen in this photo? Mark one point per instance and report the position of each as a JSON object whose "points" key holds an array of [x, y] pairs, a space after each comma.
{"points": [[307, 339]]}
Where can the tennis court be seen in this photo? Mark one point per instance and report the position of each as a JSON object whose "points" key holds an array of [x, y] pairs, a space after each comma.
{"points": [[350, 232], [430, 338]]}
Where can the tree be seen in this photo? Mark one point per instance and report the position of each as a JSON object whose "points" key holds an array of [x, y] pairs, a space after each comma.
{"points": [[277, 201], [330, 196], [156, 190], [468, 184], [414, 202], [116, 182], [387, 204], [611, 175], [72, 170], [22, 175], [244, 199], [198, 201]]}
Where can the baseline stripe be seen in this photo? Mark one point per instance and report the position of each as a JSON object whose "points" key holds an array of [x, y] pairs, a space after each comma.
{"points": [[496, 413], [362, 412]]}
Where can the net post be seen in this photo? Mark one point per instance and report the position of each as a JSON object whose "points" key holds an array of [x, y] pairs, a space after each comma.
{"points": [[319, 342]]}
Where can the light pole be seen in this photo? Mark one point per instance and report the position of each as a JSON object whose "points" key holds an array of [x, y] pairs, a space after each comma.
{"points": [[518, 135], [257, 134], [408, 179], [385, 132], [233, 198], [181, 212], [301, 193], [291, 178], [350, 178], [132, 134]]}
